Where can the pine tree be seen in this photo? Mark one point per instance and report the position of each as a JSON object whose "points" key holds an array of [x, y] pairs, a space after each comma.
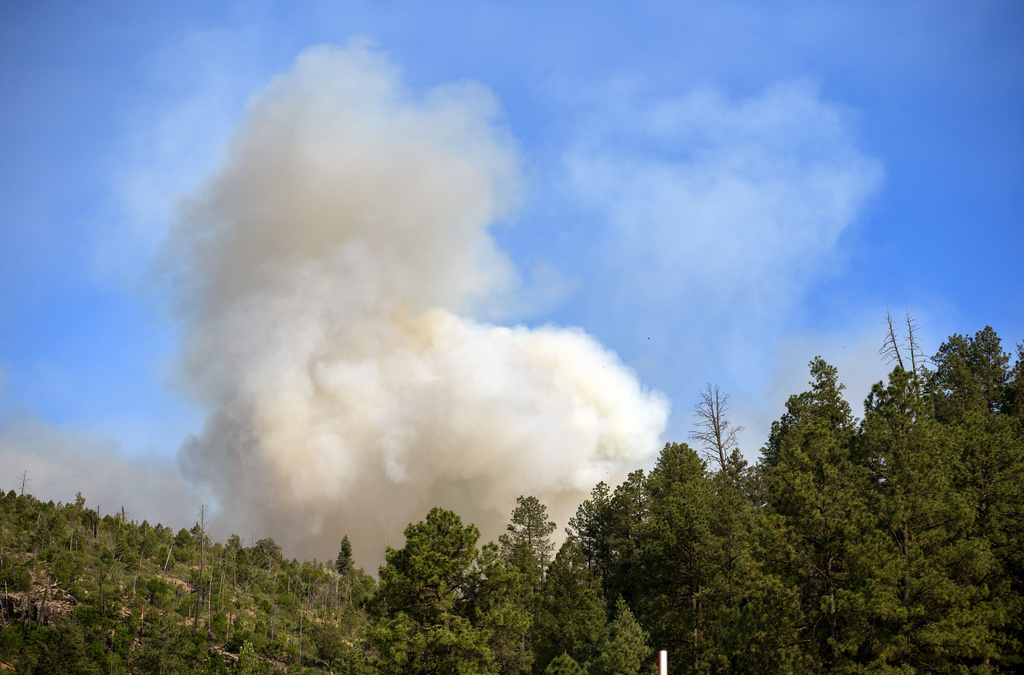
{"points": [[248, 662], [343, 563], [527, 542], [1015, 393], [972, 390], [590, 529], [627, 517], [624, 647], [816, 495], [970, 375], [764, 631], [62, 650], [526, 547], [529, 526], [570, 613], [502, 605], [426, 616], [928, 620], [678, 578], [564, 665]]}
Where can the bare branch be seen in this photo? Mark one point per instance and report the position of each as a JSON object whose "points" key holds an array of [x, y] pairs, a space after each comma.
{"points": [[916, 355], [890, 349]]}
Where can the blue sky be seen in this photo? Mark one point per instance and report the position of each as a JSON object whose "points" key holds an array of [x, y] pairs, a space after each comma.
{"points": [[713, 192]]}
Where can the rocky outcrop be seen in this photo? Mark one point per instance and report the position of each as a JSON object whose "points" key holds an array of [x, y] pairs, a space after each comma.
{"points": [[44, 604]]}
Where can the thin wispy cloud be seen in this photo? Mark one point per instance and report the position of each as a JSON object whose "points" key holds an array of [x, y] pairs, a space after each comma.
{"points": [[715, 217]]}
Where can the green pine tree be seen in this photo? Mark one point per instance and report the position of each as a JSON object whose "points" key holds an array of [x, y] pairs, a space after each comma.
{"points": [[343, 563], [823, 531], [972, 391], [590, 528], [570, 614], [502, 606], [623, 649], [425, 618], [929, 619], [564, 665], [248, 663], [529, 529], [627, 516], [678, 580]]}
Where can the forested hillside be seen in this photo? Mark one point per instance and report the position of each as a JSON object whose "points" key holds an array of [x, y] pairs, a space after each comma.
{"points": [[892, 542]]}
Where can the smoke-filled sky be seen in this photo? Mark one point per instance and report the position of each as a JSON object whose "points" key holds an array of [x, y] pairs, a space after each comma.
{"points": [[326, 265]]}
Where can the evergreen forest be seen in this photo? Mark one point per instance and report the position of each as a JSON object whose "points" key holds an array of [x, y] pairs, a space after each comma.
{"points": [[892, 542]]}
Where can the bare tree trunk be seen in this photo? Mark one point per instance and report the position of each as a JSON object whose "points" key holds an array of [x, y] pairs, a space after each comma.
{"points": [[209, 606], [221, 589], [693, 607], [202, 560], [912, 344]]}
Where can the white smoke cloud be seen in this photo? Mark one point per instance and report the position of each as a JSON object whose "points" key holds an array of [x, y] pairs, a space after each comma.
{"points": [[333, 273]]}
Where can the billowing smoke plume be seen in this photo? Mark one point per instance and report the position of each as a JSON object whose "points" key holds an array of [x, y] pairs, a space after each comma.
{"points": [[328, 271]]}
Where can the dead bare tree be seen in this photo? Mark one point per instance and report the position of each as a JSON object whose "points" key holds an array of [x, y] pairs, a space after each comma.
{"points": [[917, 359], [890, 350], [713, 430], [203, 509]]}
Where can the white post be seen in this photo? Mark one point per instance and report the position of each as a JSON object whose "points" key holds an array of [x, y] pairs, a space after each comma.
{"points": [[663, 662]]}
